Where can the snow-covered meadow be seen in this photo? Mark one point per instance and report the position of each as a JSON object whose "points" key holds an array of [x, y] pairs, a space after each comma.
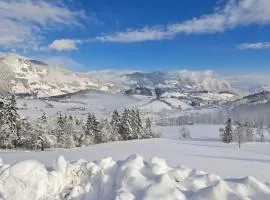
{"points": [[171, 167], [136, 169]]}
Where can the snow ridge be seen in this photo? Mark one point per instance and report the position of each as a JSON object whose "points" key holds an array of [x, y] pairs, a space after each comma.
{"points": [[130, 179]]}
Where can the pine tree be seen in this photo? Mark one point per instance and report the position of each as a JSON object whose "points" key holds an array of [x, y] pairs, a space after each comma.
{"points": [[92, 130], [96, 130], [227, 136], [106, 131], [88, 125], [9, 123], [148, 129], [44, 118], [3, 113], [28, 135], [60, 120], [115, 124], [239, 134], [88, 137], [70, 117], [41, 138], [14, 120], [249, 132], [69, 130], [260, 133], [79, 132], [136, 124], [125, 129], [184, 133], [60, 132]]}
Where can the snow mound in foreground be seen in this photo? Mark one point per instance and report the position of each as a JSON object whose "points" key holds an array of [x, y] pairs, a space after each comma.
{"points": [[130, 179]]}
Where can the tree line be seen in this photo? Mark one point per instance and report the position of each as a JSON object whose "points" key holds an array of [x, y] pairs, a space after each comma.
{"points": [[68, 131], [242, 131]]}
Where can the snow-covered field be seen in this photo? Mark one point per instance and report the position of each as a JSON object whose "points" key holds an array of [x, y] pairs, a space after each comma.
{"points": [[137, 172], [100, 103]]}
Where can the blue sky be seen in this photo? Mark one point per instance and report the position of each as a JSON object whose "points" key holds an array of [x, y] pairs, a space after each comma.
{"points": [[222, 35]]}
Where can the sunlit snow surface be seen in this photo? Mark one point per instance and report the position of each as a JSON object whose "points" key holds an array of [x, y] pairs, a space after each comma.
{"points": [[129, 179], [165, 168]]}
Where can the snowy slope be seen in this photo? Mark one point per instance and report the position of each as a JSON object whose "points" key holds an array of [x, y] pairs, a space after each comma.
{"points": [[156, 107], [178, 104], [31, 76], [99, 102]]}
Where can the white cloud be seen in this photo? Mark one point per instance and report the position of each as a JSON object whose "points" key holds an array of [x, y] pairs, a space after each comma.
{"points": [[64, 45], [145, 34], [24, 21], [234, 13], [258, 45]]}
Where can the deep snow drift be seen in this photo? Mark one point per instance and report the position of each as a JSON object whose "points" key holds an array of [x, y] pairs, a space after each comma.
{"points": [[142, 177], [130, 179]]}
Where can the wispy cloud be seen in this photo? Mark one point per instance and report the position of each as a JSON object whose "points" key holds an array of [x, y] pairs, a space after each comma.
{"points": [[254, 46], [64, 45], [233, 14], [24, 21], [144, 34]]}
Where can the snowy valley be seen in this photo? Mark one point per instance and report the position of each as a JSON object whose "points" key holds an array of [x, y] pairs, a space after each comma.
{"points": [[102, 135]]}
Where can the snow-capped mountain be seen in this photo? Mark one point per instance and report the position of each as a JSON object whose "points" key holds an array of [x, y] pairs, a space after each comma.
{"points": [[23, 75], [180, 81], [27, 76]]}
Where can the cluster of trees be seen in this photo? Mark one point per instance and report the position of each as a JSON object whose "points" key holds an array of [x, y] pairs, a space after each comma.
{"points": [[241, 132], [184, 133], [198, 118], [67, 131], [254, 120]]}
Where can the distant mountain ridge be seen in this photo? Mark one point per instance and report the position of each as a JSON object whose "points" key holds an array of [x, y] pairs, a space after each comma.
{"points": [[23, 75], [181, 81]]}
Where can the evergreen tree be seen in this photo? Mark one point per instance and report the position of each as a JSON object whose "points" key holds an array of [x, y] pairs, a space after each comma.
{"points": [[60, 120], [9, 123], [148, 128], [136, 123], [88, 137], [14, 121], [249, 133], [44, 118], [70, 117], [184, 133], [116, 119], [260, 133], [41, 127], [69, 130], [227, 136], [115, 124], [106, 131], [239, 136], [96, 130], [125, 129], [158, 92], [60, 133], [92, 130], [79, 132], [28, 135]]}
